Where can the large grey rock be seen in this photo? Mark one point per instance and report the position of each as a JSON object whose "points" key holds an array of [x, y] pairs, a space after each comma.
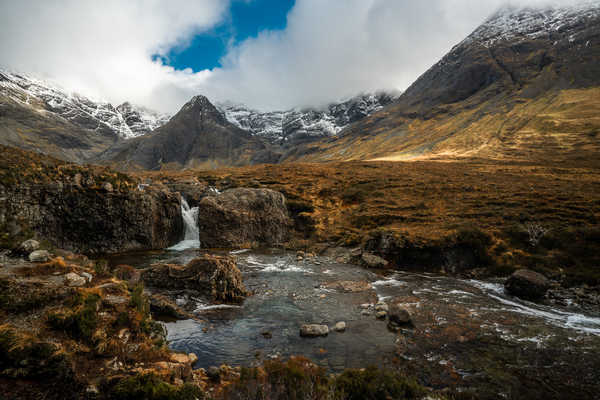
{"points": [[28, 246], [527, 284], [39, 256], [314, 330], [243, 217]]}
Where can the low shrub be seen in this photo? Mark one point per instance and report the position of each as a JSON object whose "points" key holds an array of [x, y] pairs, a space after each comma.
{"points": [[151, 387], [79, 324], [375, 384]]}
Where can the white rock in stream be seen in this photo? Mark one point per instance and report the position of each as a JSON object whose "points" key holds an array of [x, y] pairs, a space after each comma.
{"points": [[340, 326]]}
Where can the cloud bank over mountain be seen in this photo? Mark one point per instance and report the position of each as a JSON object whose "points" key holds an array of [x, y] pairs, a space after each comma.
{"points": [[328, 51]]}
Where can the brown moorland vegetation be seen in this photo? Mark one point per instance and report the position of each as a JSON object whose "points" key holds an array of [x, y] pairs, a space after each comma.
{"points": [[433, 215]]}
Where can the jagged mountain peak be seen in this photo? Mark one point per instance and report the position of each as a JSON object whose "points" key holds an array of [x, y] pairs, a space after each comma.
{"points": [[125, 121], [200, 107]]}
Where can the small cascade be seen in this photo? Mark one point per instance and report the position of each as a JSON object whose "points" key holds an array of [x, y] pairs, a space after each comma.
{"points": [[190, 220]]}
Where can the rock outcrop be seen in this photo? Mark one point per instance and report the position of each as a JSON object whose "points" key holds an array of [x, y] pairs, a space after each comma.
{"points": [[213, 276], [243, 217], [91, 220], [527, 284]]}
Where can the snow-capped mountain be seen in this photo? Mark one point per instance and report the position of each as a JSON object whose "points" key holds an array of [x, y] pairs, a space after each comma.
{"points": [[512, 23], [125, 121], [301, 124], [141, 120]]}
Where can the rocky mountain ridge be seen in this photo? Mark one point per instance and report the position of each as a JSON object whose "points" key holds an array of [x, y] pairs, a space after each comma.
{"points": [[301, 124], [124, 121]]}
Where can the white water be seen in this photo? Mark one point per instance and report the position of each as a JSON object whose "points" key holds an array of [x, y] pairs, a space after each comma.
{"points": [[190, 220], [571, 320]]}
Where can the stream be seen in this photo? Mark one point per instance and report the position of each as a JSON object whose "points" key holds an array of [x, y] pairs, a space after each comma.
{"points": [[466, 332]]}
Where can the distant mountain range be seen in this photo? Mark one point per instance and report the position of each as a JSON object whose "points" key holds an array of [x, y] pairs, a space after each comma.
{"points": [[300, 125], [525, 85]]}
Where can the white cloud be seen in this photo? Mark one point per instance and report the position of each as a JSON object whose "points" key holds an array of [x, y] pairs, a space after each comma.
{"points": [[329, 50], [104, 48]]}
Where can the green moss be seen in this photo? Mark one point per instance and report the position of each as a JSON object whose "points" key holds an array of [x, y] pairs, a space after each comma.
{"points": [[151, 387], [79, 324]]}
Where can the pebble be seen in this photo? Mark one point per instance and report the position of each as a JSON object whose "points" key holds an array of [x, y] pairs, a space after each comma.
{"points": [[340, 326]]}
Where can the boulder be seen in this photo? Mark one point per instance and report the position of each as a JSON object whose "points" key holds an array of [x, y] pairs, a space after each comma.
{"points": [[381, 315], [527, 284], [314, 330], [39, 256], [216, 277], [162, 306], [398, 316], [340, 326], [372, 261], [382, 307], [28, 246], [74, 280], [243, 217]]}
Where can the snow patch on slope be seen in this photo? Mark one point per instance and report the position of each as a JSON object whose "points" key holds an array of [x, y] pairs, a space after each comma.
{"points": [[297, 124], [126, 121]]}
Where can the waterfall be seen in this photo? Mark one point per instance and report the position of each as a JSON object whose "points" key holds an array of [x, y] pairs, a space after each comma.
{"points": [[190, 221]]}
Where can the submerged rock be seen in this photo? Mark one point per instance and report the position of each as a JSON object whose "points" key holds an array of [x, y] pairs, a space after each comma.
{"points": [[398, 316], [214, 276], [350, 286], [314, 330], [340, 326], [527, 284], [39, 256], [243, 217]]}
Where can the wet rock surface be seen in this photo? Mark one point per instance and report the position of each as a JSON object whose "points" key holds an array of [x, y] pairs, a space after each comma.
{"points": [[243, 217], [527, 284], [314, 330]]}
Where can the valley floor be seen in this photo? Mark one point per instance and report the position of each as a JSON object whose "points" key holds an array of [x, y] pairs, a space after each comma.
{"points": [[494, 216]]}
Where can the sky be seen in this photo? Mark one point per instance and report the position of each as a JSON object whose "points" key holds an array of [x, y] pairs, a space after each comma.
{"points": [[268, 54]]}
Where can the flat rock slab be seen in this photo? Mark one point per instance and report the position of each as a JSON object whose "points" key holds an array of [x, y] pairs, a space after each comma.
{"points": [[350, 286]]}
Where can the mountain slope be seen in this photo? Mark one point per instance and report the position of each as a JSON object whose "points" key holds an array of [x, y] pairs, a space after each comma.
{"points": [[197, 136], [36, 115], [524, 85]]}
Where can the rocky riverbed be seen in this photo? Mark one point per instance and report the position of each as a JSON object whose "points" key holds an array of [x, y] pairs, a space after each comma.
{"points": [[464, 333]]}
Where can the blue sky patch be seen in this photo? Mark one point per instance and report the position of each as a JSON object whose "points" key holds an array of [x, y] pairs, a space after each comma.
{"points": [[246, 20]]}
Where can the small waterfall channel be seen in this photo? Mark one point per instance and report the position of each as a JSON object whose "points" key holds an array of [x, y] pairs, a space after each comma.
{"points": [[190, 221]]}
